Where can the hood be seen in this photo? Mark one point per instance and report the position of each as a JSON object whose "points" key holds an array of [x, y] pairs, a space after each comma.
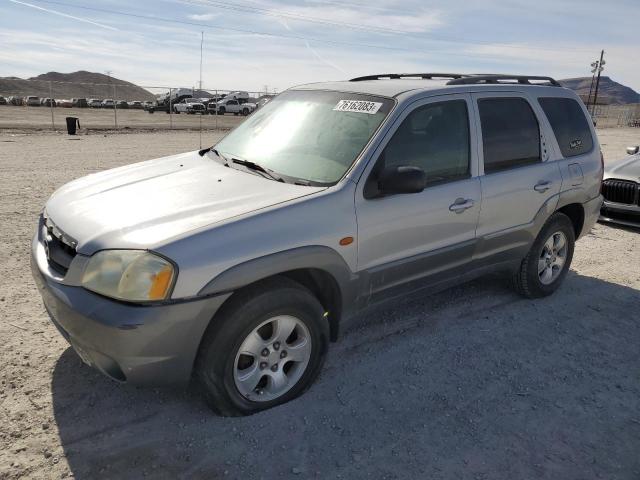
{"points": [[145, 204], [627, 168]]}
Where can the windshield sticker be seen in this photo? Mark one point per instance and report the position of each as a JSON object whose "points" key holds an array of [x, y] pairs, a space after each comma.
{"points": [[359, 106]]}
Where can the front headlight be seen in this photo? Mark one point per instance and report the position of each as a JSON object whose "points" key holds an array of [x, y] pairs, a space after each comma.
{"points": [[132, 275]]}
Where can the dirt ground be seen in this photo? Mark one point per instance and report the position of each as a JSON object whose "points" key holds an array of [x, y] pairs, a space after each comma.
{"points": [[475, 382], [39, 118]]}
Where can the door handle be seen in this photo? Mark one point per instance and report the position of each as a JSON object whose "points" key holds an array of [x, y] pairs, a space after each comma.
{"points": [[542, 187], [461, 204]]}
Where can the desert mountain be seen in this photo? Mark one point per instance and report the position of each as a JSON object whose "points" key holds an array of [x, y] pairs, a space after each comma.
{"points": [[615, 92], [80, 84]]}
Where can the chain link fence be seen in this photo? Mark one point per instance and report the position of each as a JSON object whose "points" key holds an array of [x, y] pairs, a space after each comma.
{"points": [[106, 106], [43, 104], [609, 116]]}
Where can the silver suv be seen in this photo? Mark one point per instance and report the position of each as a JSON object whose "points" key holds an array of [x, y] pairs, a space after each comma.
{"points": [[238, 264]]}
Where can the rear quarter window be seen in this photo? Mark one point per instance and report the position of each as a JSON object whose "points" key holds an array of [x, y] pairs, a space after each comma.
{"points": [[569, 125]]}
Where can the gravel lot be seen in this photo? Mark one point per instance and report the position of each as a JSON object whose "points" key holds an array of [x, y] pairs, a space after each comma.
{"points": [[475, 382]]}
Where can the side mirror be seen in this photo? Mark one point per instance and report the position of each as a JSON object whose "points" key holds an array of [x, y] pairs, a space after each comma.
{"points": [[633, 150], [401, 179]]}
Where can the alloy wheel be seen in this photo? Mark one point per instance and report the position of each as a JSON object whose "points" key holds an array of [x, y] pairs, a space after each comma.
{"points": [[552, 258], [272, 358]]}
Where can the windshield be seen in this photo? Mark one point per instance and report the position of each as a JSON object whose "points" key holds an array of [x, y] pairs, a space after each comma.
{"points": [[309, 135]]}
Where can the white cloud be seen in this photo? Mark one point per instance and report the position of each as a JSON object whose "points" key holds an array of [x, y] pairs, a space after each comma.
{"points": [[151, 52], [359, 17], [202, 17]]}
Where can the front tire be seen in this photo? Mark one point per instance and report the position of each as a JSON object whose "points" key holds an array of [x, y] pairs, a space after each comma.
{"points": [[265, 347], [547, 263]]}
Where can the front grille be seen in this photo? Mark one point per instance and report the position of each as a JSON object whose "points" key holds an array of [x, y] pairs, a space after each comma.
{"points": [[60, 249], [621, 191]]}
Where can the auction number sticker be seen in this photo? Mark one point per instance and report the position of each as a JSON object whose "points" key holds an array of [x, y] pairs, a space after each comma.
{"points": [[359, 106]]}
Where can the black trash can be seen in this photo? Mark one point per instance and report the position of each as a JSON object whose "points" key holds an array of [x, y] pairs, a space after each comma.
{"points": [[72, 122]]}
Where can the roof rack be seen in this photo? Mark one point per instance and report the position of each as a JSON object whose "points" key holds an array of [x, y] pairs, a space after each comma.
{"points": [[504, 79], [424, 76]]}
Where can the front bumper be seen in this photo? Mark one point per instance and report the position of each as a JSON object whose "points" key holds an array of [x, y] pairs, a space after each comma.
{"points": [[621, 214], [138, 344]]}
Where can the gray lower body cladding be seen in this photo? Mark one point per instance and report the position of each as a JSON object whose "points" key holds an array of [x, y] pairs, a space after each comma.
{"points": [[141, 345]]}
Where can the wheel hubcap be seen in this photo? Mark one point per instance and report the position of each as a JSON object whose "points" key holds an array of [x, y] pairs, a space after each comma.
{"points": [[552, 258], [272, 358]]}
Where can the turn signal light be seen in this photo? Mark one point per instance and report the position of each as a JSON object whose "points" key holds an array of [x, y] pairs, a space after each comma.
{"points": [[346, 241]]}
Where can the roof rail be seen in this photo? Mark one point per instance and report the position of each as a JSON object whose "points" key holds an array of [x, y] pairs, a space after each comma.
{"points": [[504, 79], [394, 76]]}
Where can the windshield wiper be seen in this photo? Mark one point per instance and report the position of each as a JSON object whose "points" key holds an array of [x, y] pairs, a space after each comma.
{"points": [[258, 168], [220, 156]]}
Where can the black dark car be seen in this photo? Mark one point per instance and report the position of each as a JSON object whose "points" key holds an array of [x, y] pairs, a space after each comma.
{"points": [[79, 102]]}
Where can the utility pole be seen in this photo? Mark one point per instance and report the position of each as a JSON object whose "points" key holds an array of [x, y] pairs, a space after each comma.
{"points": [[53, 125], [115, 101], [594, 68], [201, 44], [201, 113], [170, 108], [600, 69]]}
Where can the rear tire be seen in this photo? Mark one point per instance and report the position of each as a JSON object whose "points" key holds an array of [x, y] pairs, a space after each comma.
{"points": [[547, 263], [277, 369]]}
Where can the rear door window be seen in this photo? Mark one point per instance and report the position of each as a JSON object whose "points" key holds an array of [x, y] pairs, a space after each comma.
{"points": [[510, 133], [569, 125]]}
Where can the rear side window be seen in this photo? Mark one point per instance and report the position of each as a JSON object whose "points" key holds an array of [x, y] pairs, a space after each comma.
{"points": [[510, 133], [569, 125]]}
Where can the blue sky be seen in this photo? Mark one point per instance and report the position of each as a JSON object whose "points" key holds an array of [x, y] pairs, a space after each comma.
{"points": [[252, 43]]}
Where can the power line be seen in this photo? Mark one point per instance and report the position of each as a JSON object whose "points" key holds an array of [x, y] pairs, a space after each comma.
{"points": [[217, 27], [275, 35], [239, 8], [235, 7]]}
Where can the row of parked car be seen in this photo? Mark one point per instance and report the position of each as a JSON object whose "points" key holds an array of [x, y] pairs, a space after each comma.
{"points": [[34, 101], [237, 103], [180, 101]]}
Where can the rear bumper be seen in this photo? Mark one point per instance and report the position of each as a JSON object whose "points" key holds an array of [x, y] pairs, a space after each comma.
{"points": [[591, 214], [141, 345], [621, 214]]}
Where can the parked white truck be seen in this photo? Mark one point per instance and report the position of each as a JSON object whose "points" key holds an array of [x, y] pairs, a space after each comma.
{"points": [[231, 106], [189, 105]]}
